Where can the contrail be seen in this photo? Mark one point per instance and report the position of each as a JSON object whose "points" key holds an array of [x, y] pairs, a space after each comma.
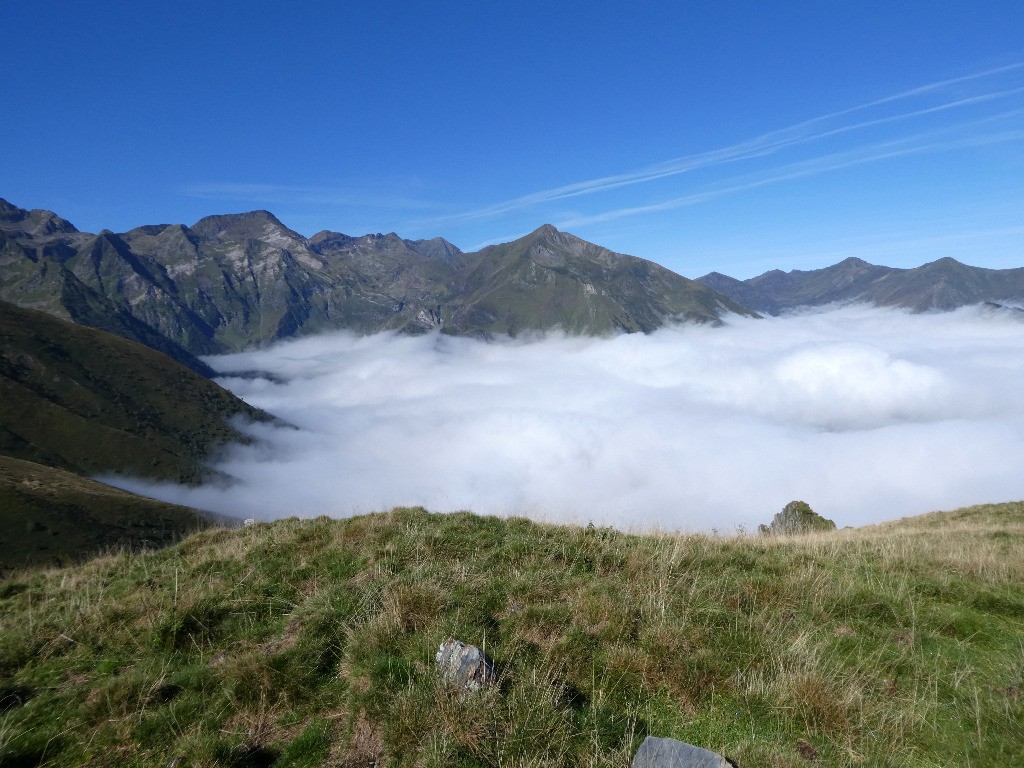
{"points": [[862, 155], [758, 146]]}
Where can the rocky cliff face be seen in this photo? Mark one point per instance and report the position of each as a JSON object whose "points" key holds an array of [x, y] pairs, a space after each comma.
{"points": [[231, 282], [94, 280]]}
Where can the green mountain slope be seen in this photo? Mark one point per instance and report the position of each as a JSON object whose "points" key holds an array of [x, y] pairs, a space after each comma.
{"points": [[940, 285], [79, 399], [52, 517], [553, 279], [308, 643], [230, 282]]}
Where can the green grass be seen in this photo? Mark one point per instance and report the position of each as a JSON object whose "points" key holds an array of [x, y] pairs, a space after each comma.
{"points": [[311, 643], [52, 517]]}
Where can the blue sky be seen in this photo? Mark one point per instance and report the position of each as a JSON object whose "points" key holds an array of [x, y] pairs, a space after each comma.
{"points": [[730, 136]]}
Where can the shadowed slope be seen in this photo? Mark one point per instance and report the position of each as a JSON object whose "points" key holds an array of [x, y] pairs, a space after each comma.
{"points": [[90, 402], [52, 517]]}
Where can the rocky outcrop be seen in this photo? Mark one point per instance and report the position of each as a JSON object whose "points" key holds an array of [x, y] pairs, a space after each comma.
{"points": [[797, 517], [669, 753]]}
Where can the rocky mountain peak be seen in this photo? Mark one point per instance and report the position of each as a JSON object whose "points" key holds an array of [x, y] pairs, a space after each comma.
{"points": [[548, 236], [547, 240], [252, 225], [326, 240], [853, 261], [435, 247], [946, 263], [35, 223]]}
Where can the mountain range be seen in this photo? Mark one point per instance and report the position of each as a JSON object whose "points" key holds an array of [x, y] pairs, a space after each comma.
{"points": [[234, 281], [944, 284]]}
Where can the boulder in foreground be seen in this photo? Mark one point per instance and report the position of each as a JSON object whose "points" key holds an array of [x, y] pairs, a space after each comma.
{"points": [[669, 753], [463, 665]]}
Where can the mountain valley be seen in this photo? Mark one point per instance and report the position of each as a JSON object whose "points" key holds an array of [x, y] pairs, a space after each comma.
{"points": [[83, 401]]}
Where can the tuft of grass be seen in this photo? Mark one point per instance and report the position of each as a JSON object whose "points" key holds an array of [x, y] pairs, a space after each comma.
{"points": [[311, 642]]}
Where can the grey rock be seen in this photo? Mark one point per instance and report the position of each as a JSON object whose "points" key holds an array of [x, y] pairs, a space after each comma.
{"points": [[656, 752], [797, 517], [463, 665]]}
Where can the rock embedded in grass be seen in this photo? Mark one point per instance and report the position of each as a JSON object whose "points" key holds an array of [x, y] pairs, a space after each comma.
{"points": [[657, 752], [464, 665]]}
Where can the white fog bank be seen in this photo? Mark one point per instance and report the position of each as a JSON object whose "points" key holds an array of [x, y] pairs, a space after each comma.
{"points": [[866, 414]]}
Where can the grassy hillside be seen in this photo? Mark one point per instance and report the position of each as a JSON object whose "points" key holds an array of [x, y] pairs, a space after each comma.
{"points": [[78, 400], [90, 402], [49, 516], [311, 643]]}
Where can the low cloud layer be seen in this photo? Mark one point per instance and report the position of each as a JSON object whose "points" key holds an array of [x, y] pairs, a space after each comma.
{"points": [[866, 414]]}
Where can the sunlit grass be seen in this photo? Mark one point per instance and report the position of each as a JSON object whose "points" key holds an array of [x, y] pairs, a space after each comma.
{"points": [[311, 643]]}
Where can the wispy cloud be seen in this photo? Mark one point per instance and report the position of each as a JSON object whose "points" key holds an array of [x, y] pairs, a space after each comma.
{"points": [[924, 143], [817, 136], [803, 133]]}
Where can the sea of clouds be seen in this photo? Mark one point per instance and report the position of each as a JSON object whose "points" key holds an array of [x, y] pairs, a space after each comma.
{"points": [[867, 414]]}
